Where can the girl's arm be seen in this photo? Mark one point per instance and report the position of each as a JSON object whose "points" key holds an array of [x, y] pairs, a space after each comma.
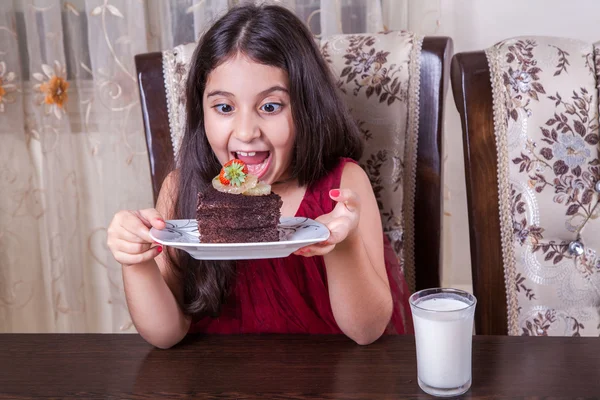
{"points": [[152, 290], [358, 285]]}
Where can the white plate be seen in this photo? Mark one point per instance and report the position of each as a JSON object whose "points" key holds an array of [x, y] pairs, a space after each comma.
{"points": [[294, 233]]}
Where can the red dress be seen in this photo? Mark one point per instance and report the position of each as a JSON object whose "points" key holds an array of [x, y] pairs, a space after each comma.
{"points": [[289, 295]]}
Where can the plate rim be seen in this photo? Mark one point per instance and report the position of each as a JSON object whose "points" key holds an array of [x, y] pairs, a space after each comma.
{"points": [[251, 244]]}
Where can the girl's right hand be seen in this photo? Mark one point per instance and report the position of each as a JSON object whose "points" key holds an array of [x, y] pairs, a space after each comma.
{"points": [[129, 236]]}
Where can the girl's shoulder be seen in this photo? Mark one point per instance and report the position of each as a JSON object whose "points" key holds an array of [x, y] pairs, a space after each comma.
{"points": [[345, 173], [165, 204], [171, 180], [351, 169], [345, 169], [354, 177]]}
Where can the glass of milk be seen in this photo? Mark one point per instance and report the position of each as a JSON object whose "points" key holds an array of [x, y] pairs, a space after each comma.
{"points": [[443, 320]]}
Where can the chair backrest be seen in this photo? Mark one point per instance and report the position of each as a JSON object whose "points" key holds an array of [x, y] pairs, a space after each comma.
{"points": [[529, 112], [423, 62]]}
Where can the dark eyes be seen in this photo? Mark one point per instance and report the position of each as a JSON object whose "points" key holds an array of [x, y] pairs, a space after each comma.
{"points": [[223, 108], [268, 108]]}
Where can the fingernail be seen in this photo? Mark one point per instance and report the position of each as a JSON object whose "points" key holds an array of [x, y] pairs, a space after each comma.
{"points": [[159, 249], [334, 193]]}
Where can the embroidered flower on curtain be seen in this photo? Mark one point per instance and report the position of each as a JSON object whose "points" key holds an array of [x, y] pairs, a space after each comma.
{"points": [[7, 87], [52, 89]]}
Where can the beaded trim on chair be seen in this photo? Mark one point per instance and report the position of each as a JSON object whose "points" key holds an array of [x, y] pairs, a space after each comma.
{"points": [[168, 58], [410, 159], [506, 224]]}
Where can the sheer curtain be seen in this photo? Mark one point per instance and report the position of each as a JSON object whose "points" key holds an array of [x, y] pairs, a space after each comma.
{"points": [[72, 148], [71, 154]]}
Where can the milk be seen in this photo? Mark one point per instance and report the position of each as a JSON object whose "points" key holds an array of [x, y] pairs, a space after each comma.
{"points": [[443, 332]]}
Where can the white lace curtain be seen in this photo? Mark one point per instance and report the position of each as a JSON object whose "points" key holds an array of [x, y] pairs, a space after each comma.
{"points": [[72, 148]]}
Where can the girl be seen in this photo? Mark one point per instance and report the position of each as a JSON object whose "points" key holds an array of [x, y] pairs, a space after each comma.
{"points": [[259, 90]]}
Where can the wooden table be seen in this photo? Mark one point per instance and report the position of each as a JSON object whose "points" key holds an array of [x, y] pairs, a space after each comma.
{"points": [[277, 367]]}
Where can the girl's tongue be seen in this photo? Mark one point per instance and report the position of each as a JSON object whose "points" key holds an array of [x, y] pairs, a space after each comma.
{"points": [[254, 160]]}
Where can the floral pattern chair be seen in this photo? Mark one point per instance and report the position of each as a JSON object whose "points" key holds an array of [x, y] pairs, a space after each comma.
{"points": [[379, 78], [544, 93], [381, 88]]}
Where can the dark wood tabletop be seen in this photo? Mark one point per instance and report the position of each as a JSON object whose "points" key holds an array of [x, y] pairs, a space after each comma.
{"points": [[73, 366]]}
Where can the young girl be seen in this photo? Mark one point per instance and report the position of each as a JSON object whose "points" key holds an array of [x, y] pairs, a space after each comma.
{"points": [[259, 90]]}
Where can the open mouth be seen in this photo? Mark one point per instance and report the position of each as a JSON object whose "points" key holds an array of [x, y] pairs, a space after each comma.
{"points": [[257, 161]]}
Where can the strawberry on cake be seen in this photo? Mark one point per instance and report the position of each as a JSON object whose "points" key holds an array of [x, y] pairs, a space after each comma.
{"points": [[238, 208]]}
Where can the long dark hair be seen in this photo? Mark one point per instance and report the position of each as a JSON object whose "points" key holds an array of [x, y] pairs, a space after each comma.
{"points": [[274, 36]]}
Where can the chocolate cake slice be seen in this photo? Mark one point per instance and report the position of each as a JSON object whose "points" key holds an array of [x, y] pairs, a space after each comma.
{"points": [[237, 218]]}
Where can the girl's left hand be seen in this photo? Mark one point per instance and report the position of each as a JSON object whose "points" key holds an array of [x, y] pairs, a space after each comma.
{"points": [[341, 222]]}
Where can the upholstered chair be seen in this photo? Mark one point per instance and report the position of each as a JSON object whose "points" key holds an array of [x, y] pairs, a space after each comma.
{"points": [[529, 110]]}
